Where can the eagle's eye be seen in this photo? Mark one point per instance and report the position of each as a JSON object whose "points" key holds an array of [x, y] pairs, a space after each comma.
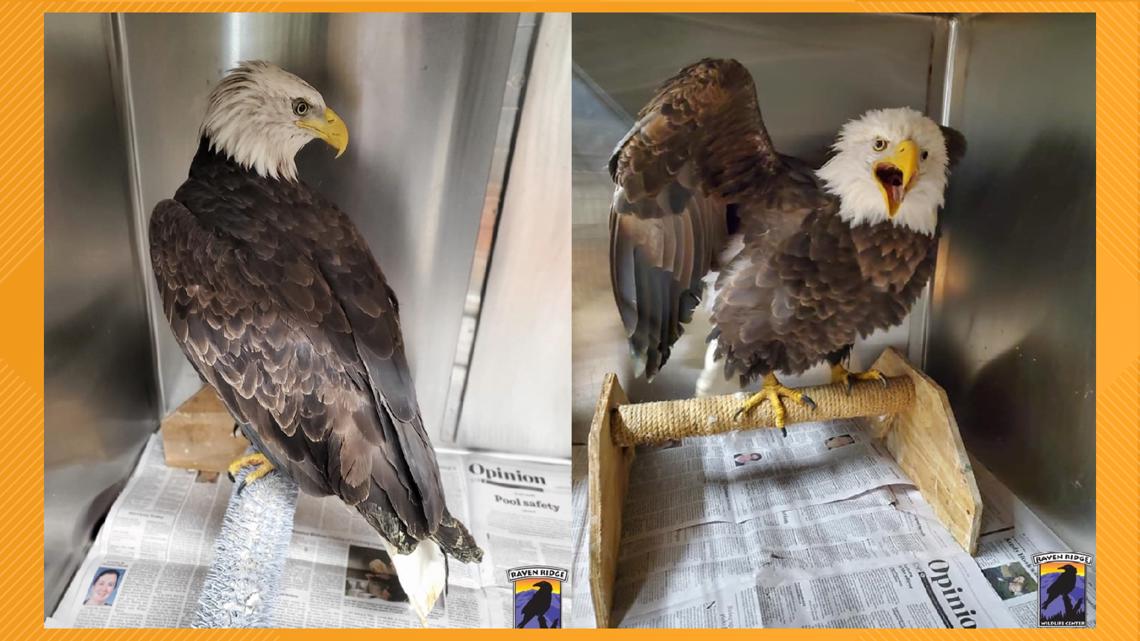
{"points": [[879, 144], [925, 154], [300, 107]]}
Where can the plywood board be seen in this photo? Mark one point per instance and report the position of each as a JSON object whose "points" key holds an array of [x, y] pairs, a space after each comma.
{"points": [[925, 441], [609, 476], [199, 435]]}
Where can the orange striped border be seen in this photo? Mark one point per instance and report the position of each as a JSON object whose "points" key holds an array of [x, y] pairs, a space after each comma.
{"points": [[1118, 304]]}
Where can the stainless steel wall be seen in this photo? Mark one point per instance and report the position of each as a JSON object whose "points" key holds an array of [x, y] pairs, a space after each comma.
{"points": [[422, 95], [518, 391], [812, 72], [101, 402], [1013, 317]]}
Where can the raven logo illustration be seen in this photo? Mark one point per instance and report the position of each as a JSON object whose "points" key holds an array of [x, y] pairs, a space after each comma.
{"points": [[538, 596], [540, 600], [1062, 595], [1062, 587]]}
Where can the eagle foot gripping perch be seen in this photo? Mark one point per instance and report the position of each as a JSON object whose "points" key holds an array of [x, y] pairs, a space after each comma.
{"points": [[261, 467], [772, 391], [244, 582], [909, 411]]}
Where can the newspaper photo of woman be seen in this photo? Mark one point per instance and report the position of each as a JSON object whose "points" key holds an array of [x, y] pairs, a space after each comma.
{"points": [[104, 587], [741, 459]]}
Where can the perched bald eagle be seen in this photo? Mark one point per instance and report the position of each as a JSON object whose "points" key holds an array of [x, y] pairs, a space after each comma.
{"points": [[279, 305], [800, 262]]}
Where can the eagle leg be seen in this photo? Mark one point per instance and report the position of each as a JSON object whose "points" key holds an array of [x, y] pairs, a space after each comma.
{"points": [[841, 375], [772, 390], [258, 461]]}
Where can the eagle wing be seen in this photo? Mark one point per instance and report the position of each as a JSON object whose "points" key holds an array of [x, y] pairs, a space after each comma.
{"points": [[698, 148], [305, 347]]}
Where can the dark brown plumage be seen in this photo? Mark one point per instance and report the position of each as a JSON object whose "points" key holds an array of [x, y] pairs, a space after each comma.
{"points": [[280, 306], [697, 175]]}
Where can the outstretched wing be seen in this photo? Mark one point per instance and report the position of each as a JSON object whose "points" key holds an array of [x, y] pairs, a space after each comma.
{"points": [[300, 336], [698, 148]]}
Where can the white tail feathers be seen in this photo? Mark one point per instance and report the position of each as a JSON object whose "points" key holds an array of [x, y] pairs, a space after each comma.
{"points": [[709, 374], [422, 574]]}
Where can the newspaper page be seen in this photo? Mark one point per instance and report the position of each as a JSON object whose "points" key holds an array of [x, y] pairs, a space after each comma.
{"points": [[523, 509], [816, 463], [819, 529], [1010, 536], [158, 539], [581, 616], [932, 592]]}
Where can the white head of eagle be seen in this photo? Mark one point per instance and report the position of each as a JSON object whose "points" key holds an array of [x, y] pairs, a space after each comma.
{"points": [[261, 115], [889, 165]]}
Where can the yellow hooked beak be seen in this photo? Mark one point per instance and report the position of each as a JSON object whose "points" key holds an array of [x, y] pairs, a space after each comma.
{"points": [[895, 173], [330, 129]]}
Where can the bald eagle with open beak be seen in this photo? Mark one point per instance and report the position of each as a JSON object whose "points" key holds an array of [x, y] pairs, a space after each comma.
{"points": [[280, 306], [799, 262]]}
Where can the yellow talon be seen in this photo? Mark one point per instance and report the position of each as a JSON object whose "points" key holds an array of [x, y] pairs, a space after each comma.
{"points": [[840, 374], [772, 390], [258, 460], [261, 471]]}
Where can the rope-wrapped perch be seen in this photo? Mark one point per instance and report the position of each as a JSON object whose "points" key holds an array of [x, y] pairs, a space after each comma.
{"points": [[643, 423]]}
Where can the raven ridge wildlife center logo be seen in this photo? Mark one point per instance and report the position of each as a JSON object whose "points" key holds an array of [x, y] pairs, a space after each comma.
{"points": [[1062, 589], [538, 596]]}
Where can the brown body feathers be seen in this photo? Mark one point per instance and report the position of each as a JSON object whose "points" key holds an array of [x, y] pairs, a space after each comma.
{"points": [[280, 306], [700, 188]]}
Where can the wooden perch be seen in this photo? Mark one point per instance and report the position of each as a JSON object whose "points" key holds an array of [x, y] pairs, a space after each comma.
{"points": [[199, 435], [911, 413]]}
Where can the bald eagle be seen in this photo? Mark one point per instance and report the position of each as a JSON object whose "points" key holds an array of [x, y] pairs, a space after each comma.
{"points": [[279, 305], [800, 262]]}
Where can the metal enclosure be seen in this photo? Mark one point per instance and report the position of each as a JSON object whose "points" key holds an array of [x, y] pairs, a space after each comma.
{"points": [[101, 399], [433, 105], [1013, 320], [1010, 329]]}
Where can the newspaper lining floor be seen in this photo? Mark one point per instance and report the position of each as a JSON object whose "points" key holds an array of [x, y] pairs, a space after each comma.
{"points": [[159, 536], [820, 529]]}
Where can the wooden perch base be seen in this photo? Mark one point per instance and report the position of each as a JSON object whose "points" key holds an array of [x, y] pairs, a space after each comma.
{"points": [[199, 435], [911, 413]]}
